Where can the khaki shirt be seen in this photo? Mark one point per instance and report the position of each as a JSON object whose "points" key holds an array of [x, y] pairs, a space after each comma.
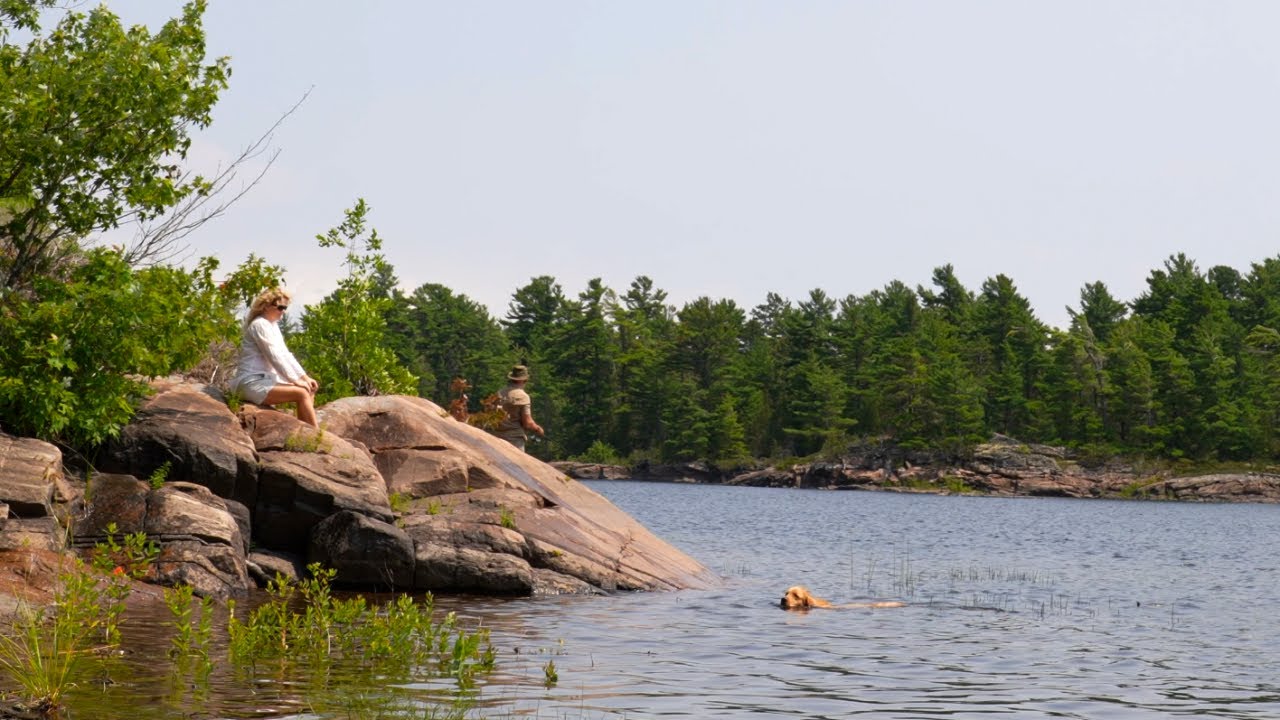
{"points": [[516, 403]]}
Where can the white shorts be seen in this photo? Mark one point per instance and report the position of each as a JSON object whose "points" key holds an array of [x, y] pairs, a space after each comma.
{"points": [[254, 387]]}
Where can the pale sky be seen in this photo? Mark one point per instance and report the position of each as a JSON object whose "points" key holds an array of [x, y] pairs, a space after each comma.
{"points": [[731, 149]]}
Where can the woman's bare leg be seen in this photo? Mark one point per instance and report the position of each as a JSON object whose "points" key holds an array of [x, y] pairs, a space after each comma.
{"points": [[300, 396]]}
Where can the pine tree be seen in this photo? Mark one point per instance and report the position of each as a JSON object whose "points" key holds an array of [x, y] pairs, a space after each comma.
{"points": [[645, 331], [583, 358], [452, 336]]}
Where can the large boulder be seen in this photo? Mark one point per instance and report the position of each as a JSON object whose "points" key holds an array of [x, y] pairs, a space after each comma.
{"points": [[200, 542], [32, 489], [188, 429], [363, 551], [30, 472], [485, 516], [113, 504], [468, 570], [305, 476]]}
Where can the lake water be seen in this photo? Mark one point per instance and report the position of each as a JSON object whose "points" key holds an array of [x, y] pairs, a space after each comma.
{"points": [[1017, 608]]}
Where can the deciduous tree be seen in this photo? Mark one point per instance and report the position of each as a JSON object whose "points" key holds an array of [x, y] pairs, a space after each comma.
{"points": [[343, 339], [95, 120]]}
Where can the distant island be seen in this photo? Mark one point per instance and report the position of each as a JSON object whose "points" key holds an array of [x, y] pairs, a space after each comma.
{"points": [[1002, 467]]}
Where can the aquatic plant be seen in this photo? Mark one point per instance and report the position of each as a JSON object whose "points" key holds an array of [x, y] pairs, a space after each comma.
{"points": [[398, 639], [999, 574], [44, 648], [386, 703], [120, 564], [190, 640]]}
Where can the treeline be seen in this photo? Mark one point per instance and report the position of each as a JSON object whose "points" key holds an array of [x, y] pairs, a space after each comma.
{"points": [[1190, 368]]}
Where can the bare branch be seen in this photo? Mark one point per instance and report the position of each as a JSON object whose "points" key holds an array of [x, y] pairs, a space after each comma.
{"points": [[160, 241]]}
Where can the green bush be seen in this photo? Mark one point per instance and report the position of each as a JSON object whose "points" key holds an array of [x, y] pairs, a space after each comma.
{"points": [[80, 347], [600, 452]]}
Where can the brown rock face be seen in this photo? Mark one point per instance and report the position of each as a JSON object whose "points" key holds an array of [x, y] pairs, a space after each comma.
{"points": [[472, 512], [29, 471], [304, 477], [518, 522], [42, 533], [111, 499], [190, 428], [200, 541]]}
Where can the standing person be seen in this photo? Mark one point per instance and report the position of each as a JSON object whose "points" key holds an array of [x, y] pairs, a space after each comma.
{"points": [[517, 405], [268, 372]]}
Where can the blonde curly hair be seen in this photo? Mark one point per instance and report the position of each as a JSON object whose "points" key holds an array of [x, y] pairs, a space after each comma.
{"points": [[265, 299]]}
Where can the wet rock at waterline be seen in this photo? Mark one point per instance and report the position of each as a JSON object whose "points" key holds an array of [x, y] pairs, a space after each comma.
{"points": [[365, 551], [267, 565]]}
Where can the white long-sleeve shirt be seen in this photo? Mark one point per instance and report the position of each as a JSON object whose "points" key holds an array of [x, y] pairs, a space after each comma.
{"points": [[262, 350]]}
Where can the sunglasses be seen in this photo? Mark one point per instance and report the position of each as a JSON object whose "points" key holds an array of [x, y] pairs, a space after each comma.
{"points": [[282, 308]]}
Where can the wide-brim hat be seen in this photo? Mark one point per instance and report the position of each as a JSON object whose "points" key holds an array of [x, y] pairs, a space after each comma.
{"points": [[519, 372]]}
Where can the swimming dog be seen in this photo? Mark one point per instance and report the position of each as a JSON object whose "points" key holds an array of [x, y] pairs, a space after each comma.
{"points": [[798, 597]]}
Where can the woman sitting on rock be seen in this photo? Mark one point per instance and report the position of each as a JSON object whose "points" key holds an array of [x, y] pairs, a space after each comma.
{"points": [[269, 373]]}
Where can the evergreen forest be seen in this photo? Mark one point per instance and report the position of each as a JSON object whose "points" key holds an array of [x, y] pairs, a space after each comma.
{"points": [[1189, 369]]}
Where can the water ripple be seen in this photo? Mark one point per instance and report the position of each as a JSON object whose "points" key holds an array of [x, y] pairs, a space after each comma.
{"points": [[1018, 608]]}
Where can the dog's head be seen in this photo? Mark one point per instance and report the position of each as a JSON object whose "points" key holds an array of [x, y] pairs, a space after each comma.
{"points": [[798, 597]]}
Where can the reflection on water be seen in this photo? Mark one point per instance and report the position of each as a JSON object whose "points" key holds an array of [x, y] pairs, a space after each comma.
{"points": [[1026, 608]]}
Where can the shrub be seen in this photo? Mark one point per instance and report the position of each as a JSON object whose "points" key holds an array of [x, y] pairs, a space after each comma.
{"points": [[79, 348], [600, 452]]}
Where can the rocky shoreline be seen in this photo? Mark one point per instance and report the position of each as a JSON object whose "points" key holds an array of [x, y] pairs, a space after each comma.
{"points": [[392, 493], [395, 494], [1002, 467]]}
